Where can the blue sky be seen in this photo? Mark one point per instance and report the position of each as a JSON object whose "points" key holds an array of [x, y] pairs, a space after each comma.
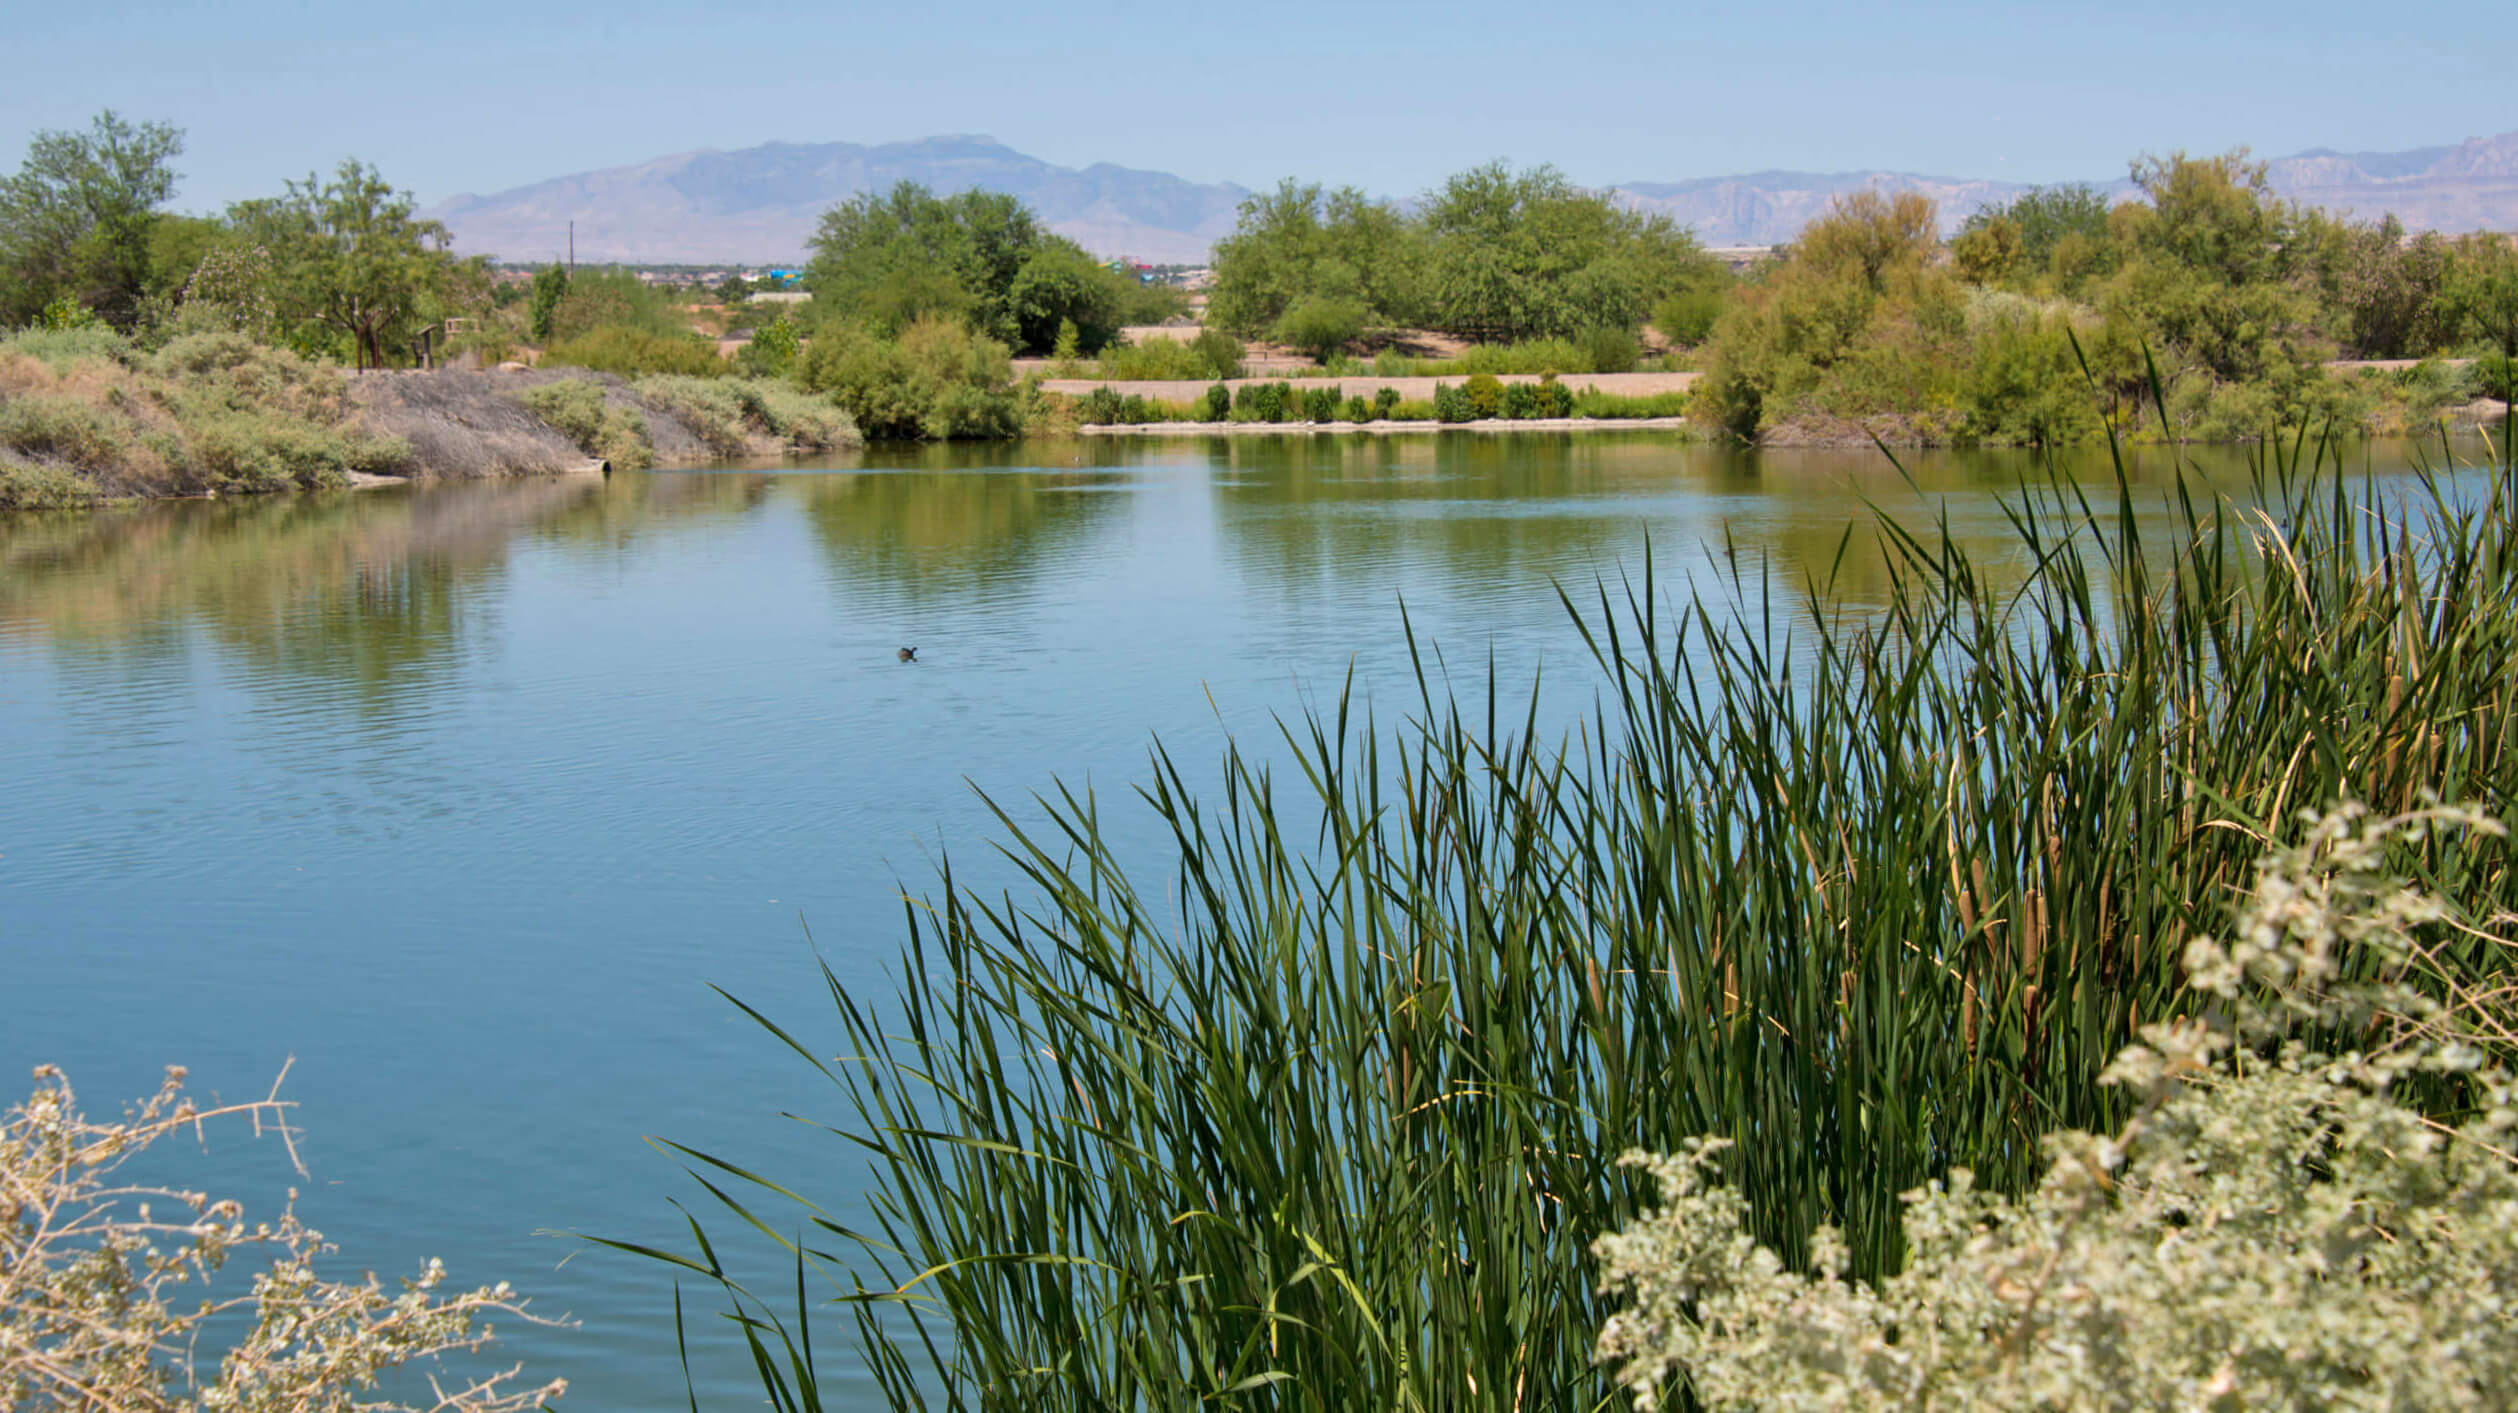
{"points": [[462, 95]]}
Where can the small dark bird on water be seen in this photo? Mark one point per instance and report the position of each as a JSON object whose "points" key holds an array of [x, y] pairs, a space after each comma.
{"points": [[909, 654]]}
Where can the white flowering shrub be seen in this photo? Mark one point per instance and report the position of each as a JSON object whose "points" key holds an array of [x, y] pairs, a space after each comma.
{"points": [[2273, 1230], [108, 1289]]}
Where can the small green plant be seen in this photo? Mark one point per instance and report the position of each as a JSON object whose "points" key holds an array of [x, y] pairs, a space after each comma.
{"points": [[1609, 349], [1485, 393], [1099, 408], [1320, 404], [1451, 404], [66, 313], [1357, 409], [1521, 401], [1218, 404], [1385, 403]]}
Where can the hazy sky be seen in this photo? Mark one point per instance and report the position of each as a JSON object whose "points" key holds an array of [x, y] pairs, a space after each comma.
{"points": [[460, 95]]}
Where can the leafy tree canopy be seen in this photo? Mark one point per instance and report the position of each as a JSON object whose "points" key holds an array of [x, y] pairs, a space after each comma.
{"points": [[1518, 255], [76, 220], [888, 260], [350, 258], [1305, 242]]}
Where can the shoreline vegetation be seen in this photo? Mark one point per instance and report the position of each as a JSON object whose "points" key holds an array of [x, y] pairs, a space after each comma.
{"points": [[304, 340]]}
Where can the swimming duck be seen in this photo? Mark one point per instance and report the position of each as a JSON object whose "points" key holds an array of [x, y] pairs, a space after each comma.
{"points": [[909, 654]]}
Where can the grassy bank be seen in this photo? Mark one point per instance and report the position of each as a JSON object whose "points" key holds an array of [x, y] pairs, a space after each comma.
{"points": [[1327, 1115], [85, 417]]}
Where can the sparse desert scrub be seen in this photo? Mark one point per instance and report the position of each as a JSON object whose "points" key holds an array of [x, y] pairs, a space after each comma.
{"points": [[83, 418], [114, 1293], [749, 416]]}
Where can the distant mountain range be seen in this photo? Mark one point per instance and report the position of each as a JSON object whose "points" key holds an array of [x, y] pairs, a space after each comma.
{"points": [[760, 205]]}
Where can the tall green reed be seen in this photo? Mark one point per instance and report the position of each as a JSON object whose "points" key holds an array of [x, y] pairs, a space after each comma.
{"points": [[1328, 1117]]}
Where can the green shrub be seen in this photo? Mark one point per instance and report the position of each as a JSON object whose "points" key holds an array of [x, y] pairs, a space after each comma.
{"points": [[41, 486], [266, 451], [1100, 407], [1521, 401], [1320, 327], [580, 411], [1219, 403], [1730, 398], [730, 414], [1219, 354], [1265, 402], [1619, 406], [2026, 386], [1412, 410], [1687, 317], [1357, 409], [1555, 399], [1212, 354], [60, 348], [634, 352], [1386, 403], [1608, 350], [772, 350], [1485, 393], [231, 372], [1320, 404], [63, 428], [937, 381], [1452, 405], [2496, 377]]}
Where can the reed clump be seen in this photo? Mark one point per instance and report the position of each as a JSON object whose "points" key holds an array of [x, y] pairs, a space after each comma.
{"points": [[1329, 1115]]}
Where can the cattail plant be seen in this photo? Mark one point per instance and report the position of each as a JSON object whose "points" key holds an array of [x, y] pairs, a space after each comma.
{"points": [[1329, 1116]]}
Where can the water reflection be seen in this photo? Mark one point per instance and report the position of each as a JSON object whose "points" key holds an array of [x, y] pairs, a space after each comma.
{"points": [[973, 534], [366, 599]]}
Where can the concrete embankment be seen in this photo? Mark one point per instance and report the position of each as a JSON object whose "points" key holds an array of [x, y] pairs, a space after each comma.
{"points": [[1413, 389], [1386, 429]]}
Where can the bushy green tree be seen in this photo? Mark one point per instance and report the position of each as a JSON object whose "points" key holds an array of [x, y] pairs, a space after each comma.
{"points": [[2386, 289], [2018, 239], [1320, 327], [349, 256], [78, 217], [1305, 243], [1219, 354], [1517, 255], [1057, 286], [886, 261], [1854, 319]]}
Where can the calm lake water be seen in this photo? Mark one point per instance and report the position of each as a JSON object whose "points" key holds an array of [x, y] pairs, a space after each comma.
{"points": [[463, 796]]}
